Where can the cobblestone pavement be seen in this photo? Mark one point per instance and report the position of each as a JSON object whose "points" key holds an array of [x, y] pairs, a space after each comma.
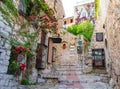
{"points": [[72, 78]]}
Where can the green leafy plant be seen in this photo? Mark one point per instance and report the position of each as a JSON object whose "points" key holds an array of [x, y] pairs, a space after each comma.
{"points": [[85, 29], [26, 82], [73, 29], [11, 7]]}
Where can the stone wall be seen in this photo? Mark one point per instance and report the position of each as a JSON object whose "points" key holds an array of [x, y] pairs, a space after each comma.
{"points": [[69, 54], [108, 22], [6, 81], [57, 6], [99, 28], [113, 37]]}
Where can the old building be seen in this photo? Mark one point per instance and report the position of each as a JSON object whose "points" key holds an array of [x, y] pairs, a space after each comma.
{"points": [[107, 27], [69, 44], [25, 39], [73, 53], [84, 11], [112, 43], [97, 43]]}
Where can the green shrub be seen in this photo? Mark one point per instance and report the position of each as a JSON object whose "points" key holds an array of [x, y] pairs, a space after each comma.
{"points": [[26, 82], [85, 28]]}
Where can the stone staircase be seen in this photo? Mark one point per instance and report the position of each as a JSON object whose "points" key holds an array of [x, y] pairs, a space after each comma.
{"points": [[63, 72], [72, 51]]}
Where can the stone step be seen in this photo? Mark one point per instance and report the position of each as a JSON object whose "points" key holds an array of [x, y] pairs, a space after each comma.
{"points": [[50, 75], [66, 66], [77, 81], [72, 74], [69, 69]]}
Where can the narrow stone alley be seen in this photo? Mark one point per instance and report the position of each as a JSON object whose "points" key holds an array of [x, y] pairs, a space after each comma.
{"points": [[71, 77], [43, 46]]}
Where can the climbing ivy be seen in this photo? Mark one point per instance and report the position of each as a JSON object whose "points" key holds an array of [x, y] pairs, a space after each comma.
{"points": [[97, 5], [9, 12], [9, 4]]}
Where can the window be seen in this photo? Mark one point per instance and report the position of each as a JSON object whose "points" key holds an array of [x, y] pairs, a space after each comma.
{"points": [[84, 14], [64, 22], [99, 36], [71, 20], [92, 12], [98, 54], [98, 57]]}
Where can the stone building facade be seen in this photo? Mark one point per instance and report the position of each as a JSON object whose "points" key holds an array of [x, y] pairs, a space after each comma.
{"points": [[68, 21], [108, 23], [69, 53], [8, 81], [84, 11], [97, 43], [112, 43]]}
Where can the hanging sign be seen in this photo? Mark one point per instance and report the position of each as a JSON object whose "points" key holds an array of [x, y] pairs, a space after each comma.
{"points": [[80, 42]]}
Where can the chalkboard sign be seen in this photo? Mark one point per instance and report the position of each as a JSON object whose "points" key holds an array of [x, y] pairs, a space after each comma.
{"points": [[99, 36]]}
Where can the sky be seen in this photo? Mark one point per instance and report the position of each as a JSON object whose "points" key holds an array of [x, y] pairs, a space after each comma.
{"points": [[69, 6]]}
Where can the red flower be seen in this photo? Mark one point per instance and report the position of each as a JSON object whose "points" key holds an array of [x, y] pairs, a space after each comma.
{"points": [[93, 61], [16, 52], [39, 58], [34, 13], [37, 50], [32, 18], [29, 48], [20, 48], [22, 67], [23, 49], [17, 73], [46, 19], [41, 26], [44, 1]]}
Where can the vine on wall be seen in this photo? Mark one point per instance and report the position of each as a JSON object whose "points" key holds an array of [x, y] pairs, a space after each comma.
{"points": [[37, 15]]}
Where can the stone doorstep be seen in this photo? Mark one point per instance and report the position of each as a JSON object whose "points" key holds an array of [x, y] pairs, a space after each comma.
{"points": [[68, 65], [78, 81], [50, 76], [29, 87], [71, 74], [70, 70]]}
